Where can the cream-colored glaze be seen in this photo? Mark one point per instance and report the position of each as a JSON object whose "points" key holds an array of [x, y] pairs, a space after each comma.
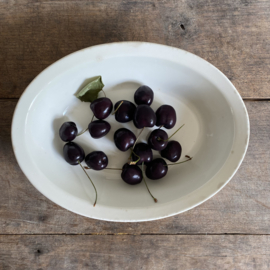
{"points": [[216, 131]]}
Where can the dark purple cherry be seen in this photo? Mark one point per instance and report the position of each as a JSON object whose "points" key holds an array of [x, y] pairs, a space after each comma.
{"points": [[156, 169], [68, 131], [172, 152], [99, 128], [144, 151], [73, 153], [144, 95], [158, 139], [125, 112], [124, 139], [144, 117], [101, 107], [96, 160], [131, 174], [166, 116]]}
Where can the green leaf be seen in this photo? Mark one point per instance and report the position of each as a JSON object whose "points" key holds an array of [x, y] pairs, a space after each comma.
{"points": [[90, 92]]}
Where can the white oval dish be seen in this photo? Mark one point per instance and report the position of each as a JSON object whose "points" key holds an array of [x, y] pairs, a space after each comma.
{"points": [[216, 131]]}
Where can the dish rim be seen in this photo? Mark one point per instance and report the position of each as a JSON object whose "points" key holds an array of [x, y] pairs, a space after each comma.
{"points": [[130, 44]]}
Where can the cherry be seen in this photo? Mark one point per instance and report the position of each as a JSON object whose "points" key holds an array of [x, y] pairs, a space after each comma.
{"points": [[101, 107], [144, 117], [124, 139], [125, 112], [68, 131], [131, 174], [99, 128], [144, 95], [96, 160], [73, 153], [166, 116], [156, 169], [143, 151], [158, 139], [172, 152]]}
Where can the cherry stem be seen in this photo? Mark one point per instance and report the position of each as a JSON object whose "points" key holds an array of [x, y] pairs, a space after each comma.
{"points": [[137, 138], [159, 139], [160, 127], [86, 128], [129, 158], [82, 132], [91, 182], [155, 200], [103, 93], [87, 168], [117, 107], [135, 144], [134, 162], [189, 158]]}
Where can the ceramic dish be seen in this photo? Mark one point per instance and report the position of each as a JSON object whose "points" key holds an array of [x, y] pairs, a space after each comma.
{"points": [[216, 131]]}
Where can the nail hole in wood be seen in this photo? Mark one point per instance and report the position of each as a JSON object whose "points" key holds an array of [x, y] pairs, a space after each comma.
{"points": [[42, 218]]}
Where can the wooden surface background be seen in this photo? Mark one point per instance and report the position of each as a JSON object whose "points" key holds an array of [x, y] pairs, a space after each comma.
{"points": [[230, 231]]}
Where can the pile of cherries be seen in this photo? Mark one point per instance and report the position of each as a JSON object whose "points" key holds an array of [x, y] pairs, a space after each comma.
{"points": [[141, 153]]}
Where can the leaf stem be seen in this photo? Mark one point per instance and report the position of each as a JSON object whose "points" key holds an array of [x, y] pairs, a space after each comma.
{"points": [[159, 139], [103, 92], [155, 200], [91, 182], [117, 107]]}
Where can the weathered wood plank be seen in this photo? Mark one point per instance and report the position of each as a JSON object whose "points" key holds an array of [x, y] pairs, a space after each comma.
{"points": [[243, 206], [135, 252], [233, 35]]}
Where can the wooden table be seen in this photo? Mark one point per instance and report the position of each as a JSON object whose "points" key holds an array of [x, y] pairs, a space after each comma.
{"points": [[231, 230]]}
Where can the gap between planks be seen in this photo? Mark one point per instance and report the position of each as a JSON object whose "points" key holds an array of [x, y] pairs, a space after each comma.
{"points": [[137, 234]]}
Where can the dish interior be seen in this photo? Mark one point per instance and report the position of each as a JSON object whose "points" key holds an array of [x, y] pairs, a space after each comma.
{"points": [[207, 136]]}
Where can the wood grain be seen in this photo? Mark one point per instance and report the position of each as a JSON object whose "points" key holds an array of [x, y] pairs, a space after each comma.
{"points": [[232, 35], [135, 252], [243, 206]]}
